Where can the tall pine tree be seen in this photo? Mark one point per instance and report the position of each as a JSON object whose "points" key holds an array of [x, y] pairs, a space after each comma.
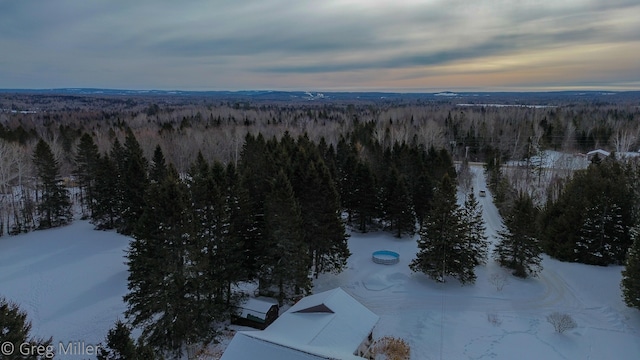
{"points": [[283, 263], [162, 298], [87, 158], [54, 208], [443, 248], [518, 248], [256, 169], [324, 231], [364, 195], [397, 204], [602, 235], [474, 229], [106, 192], [158, 168], [133, 183], [590, 220], [120, 346]]}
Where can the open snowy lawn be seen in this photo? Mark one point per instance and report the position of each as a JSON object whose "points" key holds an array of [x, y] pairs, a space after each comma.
{"points": [[69, 280], [450, 321]]}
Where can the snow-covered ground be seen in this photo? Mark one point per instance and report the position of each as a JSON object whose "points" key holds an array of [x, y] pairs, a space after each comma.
{"points": [[71, 282], [450, 321]]}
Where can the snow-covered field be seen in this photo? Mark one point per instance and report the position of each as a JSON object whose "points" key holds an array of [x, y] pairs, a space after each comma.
{"points": [[71, 282]]}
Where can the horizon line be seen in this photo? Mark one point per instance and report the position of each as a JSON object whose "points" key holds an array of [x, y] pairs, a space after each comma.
{"points": [[344, 91]]}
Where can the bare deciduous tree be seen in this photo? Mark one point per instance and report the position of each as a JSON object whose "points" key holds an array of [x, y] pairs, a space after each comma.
{"points": [[561, 322], [494, 319], [499, 280], [465, 177], [624, 139]]}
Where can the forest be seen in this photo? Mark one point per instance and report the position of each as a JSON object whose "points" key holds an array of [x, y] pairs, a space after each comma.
{"points": [[216, 192]]}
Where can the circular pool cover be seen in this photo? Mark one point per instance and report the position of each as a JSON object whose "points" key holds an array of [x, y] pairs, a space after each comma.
{"points": [[385, 257]]}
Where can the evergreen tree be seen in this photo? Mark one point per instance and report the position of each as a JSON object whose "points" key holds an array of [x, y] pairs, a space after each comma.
{"points": [[204, 271], [422, 195], [518, 248], [475, 229], [630, 283], [346, 160], [364, 195], [162, 298], [216, 257], [120, 346], [283, 263], [118, 159], [602, 234], [324, 231], [257, 168], [590, 220], [241, 230], [15, 329], [105, 212], [396, 202], [493, 169], [87, 157], [328, 155], [443, 246], [133, 183], [231, 247], [158, 169], [54, 207]]}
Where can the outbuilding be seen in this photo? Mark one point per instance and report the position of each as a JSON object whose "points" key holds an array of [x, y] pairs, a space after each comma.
{"points": [[257, 312]]}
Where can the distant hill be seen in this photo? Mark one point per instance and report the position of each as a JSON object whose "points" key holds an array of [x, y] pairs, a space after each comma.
{"points": [[478, 98]]}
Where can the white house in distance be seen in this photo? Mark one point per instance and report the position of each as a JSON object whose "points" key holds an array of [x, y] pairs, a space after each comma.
{"points": [[622, 155], [327, 325]]}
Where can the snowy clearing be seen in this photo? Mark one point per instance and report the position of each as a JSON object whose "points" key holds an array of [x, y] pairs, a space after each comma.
{"points": [[71, 282]]}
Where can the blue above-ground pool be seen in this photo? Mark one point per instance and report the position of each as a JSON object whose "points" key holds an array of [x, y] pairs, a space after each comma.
{"points": [[385, 257]]}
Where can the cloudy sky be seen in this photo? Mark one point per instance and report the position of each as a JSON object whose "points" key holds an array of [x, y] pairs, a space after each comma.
{"points": [[396, 45]]}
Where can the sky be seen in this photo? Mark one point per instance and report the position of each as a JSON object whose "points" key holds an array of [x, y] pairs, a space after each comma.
{"points": [[330, 45]]}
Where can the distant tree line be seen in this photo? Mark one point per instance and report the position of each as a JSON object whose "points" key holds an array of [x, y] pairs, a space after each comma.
{"points": [[183, 125]]}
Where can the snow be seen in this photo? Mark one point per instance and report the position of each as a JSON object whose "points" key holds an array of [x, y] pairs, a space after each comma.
{"points": [[509, 105], [450, 321], [244, 346], [550, 159], [71, 282]]}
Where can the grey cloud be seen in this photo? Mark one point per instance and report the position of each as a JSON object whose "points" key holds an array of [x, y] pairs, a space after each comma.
{"points": [[256, 43], [272, 37], [498, 45]]}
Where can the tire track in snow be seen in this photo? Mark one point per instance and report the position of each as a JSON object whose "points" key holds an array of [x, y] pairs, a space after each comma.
{"points": [[557, 295], [491, 351]]}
